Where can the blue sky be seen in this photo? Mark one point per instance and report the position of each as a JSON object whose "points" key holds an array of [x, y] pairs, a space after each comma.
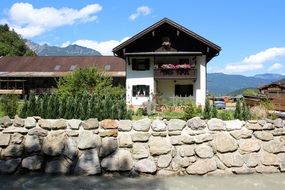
{"points": [[250, 32]]}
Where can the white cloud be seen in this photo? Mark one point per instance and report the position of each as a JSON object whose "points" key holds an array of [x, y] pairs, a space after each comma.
{"points": [[142, 10], [256, 61], [29, 21], [65, 44], [104, 47], [275, 66]]}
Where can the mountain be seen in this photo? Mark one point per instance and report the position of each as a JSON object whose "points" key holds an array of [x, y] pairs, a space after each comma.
{"points": [[222, 84], [282, 81], [71, 50], [270, 76]]}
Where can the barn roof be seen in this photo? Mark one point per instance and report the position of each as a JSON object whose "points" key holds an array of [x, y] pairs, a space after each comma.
{"points": [[53, 66]]}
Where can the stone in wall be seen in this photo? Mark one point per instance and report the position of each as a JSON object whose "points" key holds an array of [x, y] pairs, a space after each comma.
{"points": [[232, 159], [18, 122], [32, 163], [30, 122], [32, 144], [87, 139], [140, 150], [9, 166], [164, 160], [202, 166], [145, 166], [59, 124], [91, 123], [248, 145], [4, 139], [159, 145], [251, 159], [274, 146], [125, 125], [196, 123], [203, 138], [53, 143], [158, 125], [215, 124], [12, 129], [263, 135], [88, 163], [109, 145], [176, 124], [121, 160], [74, 124], [58, 166], [5, 121], [125, 140], [234, 124], [108, 124], [70, 149], [204, 151], [140, 136], [223, 142], [142, 125], [241, 134]]}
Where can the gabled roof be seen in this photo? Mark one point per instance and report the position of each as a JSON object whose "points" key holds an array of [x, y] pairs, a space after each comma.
{"points": [[192, 34], [274, 84], [54, 66]]}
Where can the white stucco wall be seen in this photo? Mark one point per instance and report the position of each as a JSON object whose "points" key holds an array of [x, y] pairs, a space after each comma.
{"points": [[200, 84], [138, 78]]}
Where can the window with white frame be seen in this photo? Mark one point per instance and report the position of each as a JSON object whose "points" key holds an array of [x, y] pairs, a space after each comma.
{"points": [[140, 90]]}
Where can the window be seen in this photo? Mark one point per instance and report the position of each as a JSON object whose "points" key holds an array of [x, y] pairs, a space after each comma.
{"points": [[141, 90], [72, 67], [184, 90], [57, 67], [140, 64]]}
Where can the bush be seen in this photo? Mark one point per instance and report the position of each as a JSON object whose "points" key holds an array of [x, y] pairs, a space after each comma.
{"points": [[78, 107], [9, 104], [207, 113], [190, 110], [225, 115], [238, 111]]}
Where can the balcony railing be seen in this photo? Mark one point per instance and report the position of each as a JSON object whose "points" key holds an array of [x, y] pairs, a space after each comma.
{"points": [[175, 73]]}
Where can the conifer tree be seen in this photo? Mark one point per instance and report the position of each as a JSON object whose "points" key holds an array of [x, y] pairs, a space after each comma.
{"points": [[68, 112], [207, 113], [24, 110], [32, 104], [246, 114], [50, 108], [238, 111], [92, 107], [44, 109], [214, 112]]}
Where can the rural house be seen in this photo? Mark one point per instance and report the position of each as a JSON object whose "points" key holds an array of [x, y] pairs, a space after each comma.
{"points": [[166, 59]]}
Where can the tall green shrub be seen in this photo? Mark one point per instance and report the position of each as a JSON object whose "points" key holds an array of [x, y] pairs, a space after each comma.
{"points": [[9, 104], [214, 112], [207, 113], [32, 105], [238, 111], [24, 110], [246, 114], [190, 110]]}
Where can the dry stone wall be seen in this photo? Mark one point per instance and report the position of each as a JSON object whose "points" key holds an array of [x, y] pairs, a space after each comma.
{"points": [[158, 147]]}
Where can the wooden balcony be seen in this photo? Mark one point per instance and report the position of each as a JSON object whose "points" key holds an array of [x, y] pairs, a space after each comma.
{"points": [[168, 74]]}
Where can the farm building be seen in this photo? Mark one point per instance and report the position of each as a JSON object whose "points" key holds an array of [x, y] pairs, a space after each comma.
{"points": [[20, 75]]}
